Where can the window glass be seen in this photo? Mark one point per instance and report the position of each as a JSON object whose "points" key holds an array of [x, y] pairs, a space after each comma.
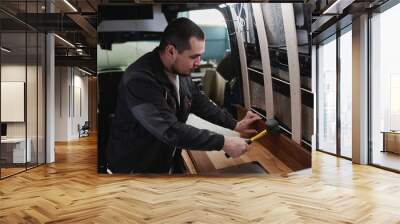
{"points": [[345, 94], [327, 96], [15, 149], [205, 17], [385, 88], [123, 54]]}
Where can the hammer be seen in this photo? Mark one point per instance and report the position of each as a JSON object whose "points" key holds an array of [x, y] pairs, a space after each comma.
{"points": [[272, 128]]}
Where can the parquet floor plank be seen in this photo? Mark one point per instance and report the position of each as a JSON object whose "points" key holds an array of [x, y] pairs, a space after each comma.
{"points": [[70, 191]]}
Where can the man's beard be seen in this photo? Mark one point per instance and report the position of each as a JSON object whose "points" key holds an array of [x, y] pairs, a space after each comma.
{"points": [[175, 71]]}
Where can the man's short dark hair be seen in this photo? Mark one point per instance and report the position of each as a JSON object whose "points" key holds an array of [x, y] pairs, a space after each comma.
{"points": [[179, 32]]}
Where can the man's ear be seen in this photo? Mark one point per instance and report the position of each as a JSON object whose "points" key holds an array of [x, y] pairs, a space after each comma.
{"points": [[171, 51]]}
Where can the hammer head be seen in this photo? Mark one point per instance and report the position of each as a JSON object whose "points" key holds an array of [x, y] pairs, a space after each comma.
{"points": [[272, 126]]}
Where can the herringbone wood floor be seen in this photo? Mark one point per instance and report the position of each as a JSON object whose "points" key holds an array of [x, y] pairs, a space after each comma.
{"points": [[70, 191]]}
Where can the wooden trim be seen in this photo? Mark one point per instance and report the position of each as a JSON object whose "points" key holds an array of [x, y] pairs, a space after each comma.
{"points": [[242, 57], [285, 149], [201, 161], [265, 60], [188, 162], [289, 26], [289, 152]]}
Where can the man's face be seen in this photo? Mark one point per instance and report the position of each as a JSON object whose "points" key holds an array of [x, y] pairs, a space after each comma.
{"points": [[188, 60]]}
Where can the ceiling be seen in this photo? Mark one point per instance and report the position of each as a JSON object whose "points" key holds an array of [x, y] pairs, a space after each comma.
{"points": [[75, 21]]}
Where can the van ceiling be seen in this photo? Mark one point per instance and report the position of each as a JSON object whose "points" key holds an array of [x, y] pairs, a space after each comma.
{"points": [[80, 27], [115, 26]]}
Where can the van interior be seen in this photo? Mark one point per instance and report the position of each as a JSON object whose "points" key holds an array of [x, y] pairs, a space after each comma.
{"points": [[123, 38]]}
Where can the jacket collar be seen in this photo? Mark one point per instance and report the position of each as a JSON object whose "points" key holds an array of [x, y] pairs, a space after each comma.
{"points": [[161, 75], [159, 67]]}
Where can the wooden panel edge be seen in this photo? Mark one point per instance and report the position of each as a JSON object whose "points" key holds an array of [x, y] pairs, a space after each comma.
{"points": [[188, 162], [292, 154]]}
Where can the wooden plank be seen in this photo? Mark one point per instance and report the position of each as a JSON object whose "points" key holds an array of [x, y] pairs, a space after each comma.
{"points": [[266, 159], [201, 161], [244, 168], [257, 153], [220, 161], [288, 151], [188, 162], [242, 57], [71, 191], [206, 162], [289, 26], [265, 60]]}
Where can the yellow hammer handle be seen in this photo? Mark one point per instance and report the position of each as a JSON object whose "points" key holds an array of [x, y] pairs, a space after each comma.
{"points": [[249, 141], [259, 135]]}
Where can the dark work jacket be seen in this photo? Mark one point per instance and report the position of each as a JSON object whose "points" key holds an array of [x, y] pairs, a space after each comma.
{"points": [[149, 123]]}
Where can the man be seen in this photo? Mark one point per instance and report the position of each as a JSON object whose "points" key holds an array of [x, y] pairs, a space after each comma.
{"points": [[155, 97]]}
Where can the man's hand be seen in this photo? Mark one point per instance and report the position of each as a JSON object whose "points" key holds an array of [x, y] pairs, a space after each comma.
{"points": [[244, 126], [235, 146]]}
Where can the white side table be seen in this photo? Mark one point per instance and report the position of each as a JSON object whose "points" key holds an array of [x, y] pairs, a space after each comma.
{"points": [[19, 154]]}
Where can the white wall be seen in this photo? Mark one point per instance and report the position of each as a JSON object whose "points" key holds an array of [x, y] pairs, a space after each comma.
{"points": [[62, 81], [71, 93], [79, 117], [15, 73], [33, 126]]}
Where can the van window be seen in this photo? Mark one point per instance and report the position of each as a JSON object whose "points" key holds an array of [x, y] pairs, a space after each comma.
{"points": [[123, 54], [205, 17], [212, 22]]}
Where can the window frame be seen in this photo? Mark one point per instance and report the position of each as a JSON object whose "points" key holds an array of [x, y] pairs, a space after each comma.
{"points": [[380, 9], [333, 37]]}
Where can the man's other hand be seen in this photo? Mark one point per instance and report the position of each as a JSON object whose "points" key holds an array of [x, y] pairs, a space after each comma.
{"points": [[244, 126], [235, 146]]}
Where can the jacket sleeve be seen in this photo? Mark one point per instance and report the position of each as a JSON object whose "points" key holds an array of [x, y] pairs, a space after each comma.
{"points": [[203, 107], [146, 102]]}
